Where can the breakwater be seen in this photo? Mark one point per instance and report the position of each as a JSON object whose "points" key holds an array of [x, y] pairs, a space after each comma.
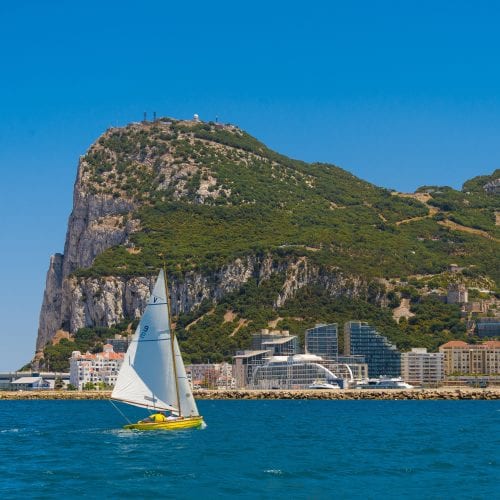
{"points": [[448, 393]]}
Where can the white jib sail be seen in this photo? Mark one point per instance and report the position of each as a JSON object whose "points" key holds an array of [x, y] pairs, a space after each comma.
{"points": [[146, 377], [186, 400]]}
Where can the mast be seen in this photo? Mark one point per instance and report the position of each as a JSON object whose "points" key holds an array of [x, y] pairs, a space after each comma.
{"points": [[172, 340]]}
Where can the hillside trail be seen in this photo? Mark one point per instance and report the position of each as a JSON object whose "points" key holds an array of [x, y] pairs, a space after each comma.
{"points": [[424, 198], [466, 229]]}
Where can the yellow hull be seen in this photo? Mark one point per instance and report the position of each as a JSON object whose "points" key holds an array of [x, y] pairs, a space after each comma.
{"points": [[169, 425]]}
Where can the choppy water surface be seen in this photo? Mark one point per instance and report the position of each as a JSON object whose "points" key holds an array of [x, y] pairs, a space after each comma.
{"points": [[260, 449]]}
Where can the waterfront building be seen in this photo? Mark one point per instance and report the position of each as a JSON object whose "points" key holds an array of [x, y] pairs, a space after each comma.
{"points": [[8, 378], [102, 367], [278, 342], [244, 364], [322, 340], [351, 360], [225, 376], [211, 375], [285, 346], [30, 384], [419, 367], [472, 380], [461, 358], [382, 357], [301, 371], [200, 372], [488, 327]]}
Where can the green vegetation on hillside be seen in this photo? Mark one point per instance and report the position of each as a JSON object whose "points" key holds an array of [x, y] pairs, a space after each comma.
{"points": [[262, 202], [434, 322], [471, 207], [207, 194]]}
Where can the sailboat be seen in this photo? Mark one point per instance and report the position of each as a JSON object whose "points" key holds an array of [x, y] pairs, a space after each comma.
{"points": [[152, 375]]}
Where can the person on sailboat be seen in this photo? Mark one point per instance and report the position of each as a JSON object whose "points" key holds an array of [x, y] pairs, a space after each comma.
{"points": [[156, 418]]}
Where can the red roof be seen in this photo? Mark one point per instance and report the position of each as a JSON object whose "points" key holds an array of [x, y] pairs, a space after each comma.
{"points": [[454, 343], [102, 355], [492, 344]]}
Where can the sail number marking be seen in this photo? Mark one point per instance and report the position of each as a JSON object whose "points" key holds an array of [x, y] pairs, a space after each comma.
{"points": [[144, 331]]}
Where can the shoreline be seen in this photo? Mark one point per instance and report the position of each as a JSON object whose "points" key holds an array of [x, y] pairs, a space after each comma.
{"points": [[457, 393]]}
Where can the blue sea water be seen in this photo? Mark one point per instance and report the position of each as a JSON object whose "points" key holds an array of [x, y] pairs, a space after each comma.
{"points": [[254, 449]]}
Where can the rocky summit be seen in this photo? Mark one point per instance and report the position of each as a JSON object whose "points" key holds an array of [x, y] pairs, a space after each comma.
{"points": [[254, 239]]}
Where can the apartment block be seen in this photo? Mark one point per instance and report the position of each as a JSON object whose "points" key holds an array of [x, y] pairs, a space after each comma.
{"points": [[419, 367]]}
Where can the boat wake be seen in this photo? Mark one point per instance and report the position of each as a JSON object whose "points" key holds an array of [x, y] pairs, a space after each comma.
{"points": [[274, 472]]}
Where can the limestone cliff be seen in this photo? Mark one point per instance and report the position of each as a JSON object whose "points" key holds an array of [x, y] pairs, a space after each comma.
{"points": [[73, 302], [94, 225]]}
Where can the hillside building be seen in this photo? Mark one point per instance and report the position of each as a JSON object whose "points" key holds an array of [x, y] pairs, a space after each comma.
{"points": [[488, 327], [119, 343], [457, 294], [419, 367]]}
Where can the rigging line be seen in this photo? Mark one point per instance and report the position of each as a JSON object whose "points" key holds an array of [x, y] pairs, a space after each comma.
{"points": [[119, 411]]}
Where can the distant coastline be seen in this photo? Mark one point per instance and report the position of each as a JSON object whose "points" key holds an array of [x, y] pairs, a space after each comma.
{"points": [[492, 393]]}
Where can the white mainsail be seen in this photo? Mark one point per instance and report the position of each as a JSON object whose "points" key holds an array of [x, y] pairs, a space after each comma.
{"points": [[148, 374]]}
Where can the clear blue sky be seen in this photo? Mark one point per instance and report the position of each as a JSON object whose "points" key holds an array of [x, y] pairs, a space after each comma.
{"points": [[401, 93]]}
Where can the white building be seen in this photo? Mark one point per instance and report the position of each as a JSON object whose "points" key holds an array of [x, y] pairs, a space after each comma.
{"points": [[419, 367], [95, 368], [30, 384], [303, 370]]}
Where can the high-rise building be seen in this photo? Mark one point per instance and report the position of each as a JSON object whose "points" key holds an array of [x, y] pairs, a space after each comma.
{"points": [[419, 367], [382, 357], [322, 340]]}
